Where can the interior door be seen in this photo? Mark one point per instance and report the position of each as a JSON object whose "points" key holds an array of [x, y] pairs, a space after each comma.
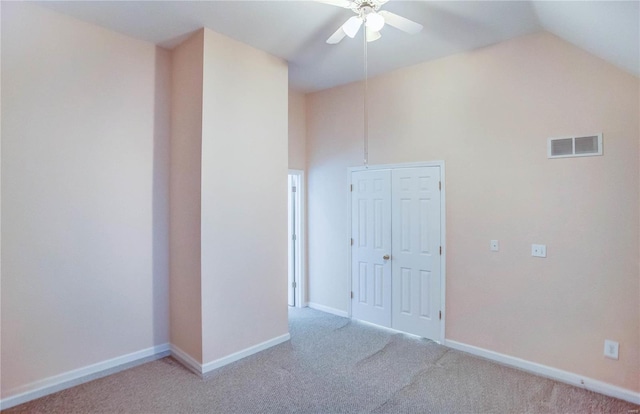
{"points": [[371, 246], [416, 251]]}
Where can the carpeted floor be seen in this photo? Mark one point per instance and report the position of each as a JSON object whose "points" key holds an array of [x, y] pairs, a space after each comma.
{"points": [[331, 365]]}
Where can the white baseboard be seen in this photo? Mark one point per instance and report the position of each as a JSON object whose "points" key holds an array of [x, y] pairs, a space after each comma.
{"points": [[210, 366], [79, 376], [202, 369], [186, 359], [327, 309], [549, 372]]}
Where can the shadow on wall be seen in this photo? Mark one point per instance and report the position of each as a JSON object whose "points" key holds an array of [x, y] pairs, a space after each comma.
{"points": [[160, 197]]}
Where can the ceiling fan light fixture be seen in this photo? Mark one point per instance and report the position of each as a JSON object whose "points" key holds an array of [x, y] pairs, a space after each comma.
{"points": [[372, 36], [352, 26], [375, 22]]}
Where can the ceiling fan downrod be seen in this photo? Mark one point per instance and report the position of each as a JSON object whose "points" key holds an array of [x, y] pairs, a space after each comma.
{"points": [[366, 105]]}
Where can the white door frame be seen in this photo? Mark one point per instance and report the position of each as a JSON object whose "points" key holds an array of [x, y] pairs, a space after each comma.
{"points": [[301, 300], [443, 232]]}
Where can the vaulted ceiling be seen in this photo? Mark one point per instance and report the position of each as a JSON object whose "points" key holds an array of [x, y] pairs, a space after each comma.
{"points": [[297, 30]]}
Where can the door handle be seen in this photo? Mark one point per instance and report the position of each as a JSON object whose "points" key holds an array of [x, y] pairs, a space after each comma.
{"points": [[386, 257]]}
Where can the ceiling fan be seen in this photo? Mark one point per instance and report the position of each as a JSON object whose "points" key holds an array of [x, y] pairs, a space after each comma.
{"points": [[374, 19]]}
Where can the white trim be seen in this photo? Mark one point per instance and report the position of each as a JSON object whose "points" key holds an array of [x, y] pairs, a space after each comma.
{"points": [[301, 301], [201, 369], [443, 257], [88, 373], [443, 229], [327, 309], [185, 359], [396, 166], [549, 372], [210, 366], [46, 386], [347, 242]]}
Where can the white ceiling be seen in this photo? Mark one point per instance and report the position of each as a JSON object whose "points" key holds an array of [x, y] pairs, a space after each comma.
{"points": [[296, 30]]}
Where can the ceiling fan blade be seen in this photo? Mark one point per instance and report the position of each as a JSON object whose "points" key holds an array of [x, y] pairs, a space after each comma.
{"points": [[352, 26], [400, 22], [337, 36], [340, 3], [372, 36]]}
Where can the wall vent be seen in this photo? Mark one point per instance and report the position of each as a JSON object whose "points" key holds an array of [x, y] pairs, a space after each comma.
{"points": [[585, 146]]}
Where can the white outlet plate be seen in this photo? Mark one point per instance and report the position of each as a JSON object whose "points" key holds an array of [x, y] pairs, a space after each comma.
{"points": [[539, 250], [495, 246], [611, 349]]}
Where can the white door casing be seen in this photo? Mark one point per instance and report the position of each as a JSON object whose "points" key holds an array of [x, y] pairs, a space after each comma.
{"points": [[296, 279], [416, 251], [412, 214], [371, 238], [291, 297]]}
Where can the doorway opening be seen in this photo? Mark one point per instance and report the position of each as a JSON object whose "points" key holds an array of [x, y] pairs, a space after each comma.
{"points": [[295, 285]]}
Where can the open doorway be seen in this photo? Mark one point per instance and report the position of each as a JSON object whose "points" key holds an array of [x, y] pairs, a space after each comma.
{"points": [[295, 283]]}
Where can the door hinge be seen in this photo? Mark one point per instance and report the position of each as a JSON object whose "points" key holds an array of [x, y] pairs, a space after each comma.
{"points": [[293, 189], [440, 250], [351, 295], [293, 237], [352, 242], [294, 285], [351, 187], [440, 314], [440, 185]]}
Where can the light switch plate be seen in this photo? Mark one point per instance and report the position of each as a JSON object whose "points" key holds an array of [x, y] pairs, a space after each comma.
{"points": [[611, 349], [495, 246], [539, 250]]}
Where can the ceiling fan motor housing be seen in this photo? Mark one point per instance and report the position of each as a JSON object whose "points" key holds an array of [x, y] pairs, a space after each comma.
{"points": [[365, 7], [367, 12]]}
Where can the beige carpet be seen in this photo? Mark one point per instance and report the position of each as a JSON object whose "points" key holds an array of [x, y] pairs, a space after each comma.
{"points": [[332, 365]]}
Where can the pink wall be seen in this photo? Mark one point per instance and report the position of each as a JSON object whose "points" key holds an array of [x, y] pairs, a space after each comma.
{"points": [[84, 197], [244, 197], [297, 130], [185, 210], [228, 197], [488, 114], [96, 195]]}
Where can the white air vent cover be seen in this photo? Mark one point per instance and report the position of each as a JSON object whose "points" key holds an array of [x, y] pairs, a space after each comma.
{"points": [[574, 146]]}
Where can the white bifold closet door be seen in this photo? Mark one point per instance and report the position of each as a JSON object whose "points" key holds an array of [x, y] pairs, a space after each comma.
{"points": [[395, 254]]}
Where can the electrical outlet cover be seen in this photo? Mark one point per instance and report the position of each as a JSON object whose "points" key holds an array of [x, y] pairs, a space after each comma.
{"points": [[539, 250]]}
